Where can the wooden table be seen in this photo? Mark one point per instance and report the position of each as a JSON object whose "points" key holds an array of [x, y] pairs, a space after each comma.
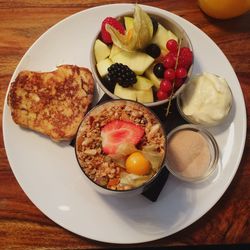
{"points": [[22, 225]]}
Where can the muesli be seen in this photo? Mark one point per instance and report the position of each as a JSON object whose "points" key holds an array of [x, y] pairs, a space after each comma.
{"points": [[120, 145]]}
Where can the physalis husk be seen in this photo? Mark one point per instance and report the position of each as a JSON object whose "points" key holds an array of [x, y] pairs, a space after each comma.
{"points": [[138, 37]]}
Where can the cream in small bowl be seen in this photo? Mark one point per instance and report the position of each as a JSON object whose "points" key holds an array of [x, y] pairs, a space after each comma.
{"points": [[206, 100], [140, 61], [192, 153]]}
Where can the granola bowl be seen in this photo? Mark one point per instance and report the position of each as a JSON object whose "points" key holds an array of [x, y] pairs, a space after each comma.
{"points": [[120, 147], [143, 62]]}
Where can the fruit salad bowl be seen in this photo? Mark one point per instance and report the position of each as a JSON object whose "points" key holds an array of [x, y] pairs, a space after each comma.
{"points": [[120, 147], [150, 68]]}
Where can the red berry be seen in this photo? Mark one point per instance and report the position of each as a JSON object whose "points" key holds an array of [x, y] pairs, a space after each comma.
{"points": [[184, 51], [114, 23], [178, 82], [181, 73], [169, 74], [166, 86], [161, 95], [117, 132], [172, 45], [169, 61], [185, 57]]}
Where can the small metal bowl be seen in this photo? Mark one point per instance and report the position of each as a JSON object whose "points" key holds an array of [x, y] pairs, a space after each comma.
{"points": [[102, 189], [212, 147], [167, 22]]}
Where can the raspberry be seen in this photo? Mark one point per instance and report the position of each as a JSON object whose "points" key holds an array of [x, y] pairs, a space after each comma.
{"points": [[114, 23]]}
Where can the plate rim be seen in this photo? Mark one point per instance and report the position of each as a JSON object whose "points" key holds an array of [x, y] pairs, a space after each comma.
{"points": [[5, 110]]}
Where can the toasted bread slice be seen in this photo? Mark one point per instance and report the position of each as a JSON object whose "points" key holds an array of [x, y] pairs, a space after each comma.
{"points": [[52, 103]]}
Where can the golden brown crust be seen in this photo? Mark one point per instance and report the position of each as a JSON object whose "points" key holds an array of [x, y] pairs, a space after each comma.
{"points": [[52, 103]]}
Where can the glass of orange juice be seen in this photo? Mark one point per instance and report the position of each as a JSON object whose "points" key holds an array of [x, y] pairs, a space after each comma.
{"points": [[224, 9]]}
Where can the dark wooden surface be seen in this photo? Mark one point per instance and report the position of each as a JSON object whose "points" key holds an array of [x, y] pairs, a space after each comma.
{"points": [[22, 225]]}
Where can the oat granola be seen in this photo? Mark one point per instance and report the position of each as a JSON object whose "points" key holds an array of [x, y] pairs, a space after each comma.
{"points": [[104, 169]]}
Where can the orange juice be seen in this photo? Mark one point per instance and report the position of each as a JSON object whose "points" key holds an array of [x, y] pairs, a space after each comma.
{"points": [[224, 9]]}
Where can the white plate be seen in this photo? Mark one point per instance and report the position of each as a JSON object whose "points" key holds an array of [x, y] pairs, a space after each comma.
{"points": [[49, 174]]}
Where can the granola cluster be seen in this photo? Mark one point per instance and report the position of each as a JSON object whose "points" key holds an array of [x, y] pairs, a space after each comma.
{"points": [[100, 167]]}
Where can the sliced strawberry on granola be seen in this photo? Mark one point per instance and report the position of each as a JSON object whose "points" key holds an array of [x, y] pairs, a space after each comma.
{"points": [[117, 132]]}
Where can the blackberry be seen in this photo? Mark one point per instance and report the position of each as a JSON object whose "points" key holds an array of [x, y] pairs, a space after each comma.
{"points": [[122, 74], [109, 82]]}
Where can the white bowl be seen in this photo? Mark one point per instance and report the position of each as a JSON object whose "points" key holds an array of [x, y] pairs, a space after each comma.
{"points": [[170, 25]]}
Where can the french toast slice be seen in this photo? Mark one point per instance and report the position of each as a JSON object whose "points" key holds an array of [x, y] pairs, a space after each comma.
{"points": [[52, 103]]}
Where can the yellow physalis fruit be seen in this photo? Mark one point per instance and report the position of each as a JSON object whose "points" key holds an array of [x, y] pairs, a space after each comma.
{"points": [[136, 163], [224, 9]]}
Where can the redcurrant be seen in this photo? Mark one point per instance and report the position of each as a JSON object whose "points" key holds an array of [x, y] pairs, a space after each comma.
{"points": [[169, 74], [172, 45]]}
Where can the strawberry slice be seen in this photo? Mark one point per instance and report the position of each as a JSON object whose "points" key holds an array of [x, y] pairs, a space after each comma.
{"points": [[117, 132], [114, 23]]}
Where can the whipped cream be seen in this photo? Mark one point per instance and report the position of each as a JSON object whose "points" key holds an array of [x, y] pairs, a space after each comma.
{"points": [[206, 99]]}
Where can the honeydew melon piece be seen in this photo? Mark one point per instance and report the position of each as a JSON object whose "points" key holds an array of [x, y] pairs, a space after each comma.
{"points": [[129, 22], [150, 75], [125, 93], [142, 83], [103, 66], [162, 35], [101, 50], [114, 50], [136, 61], [145, 96]]}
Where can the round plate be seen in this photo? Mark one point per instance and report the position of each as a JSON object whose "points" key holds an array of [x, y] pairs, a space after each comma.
{"points": [[49, 174]]}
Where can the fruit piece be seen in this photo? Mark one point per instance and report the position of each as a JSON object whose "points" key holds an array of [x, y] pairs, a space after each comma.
{"points": [[136, 61], [117, 132], [114, 50], [129, 22], [136, 163], [122, 74], [109, 82], [101, 50], [103, 66], [155, 24], [159, 70], [185, 58], [153, 50], [151, 76], [169, 74], [181, 73], [162, 95], [125, 93], [115, 24], [169, 61], [166, 86], [224, 9], [138, 37], [145, 96], [142, 83], [162, 36], [178, 83], [172, 45]]}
